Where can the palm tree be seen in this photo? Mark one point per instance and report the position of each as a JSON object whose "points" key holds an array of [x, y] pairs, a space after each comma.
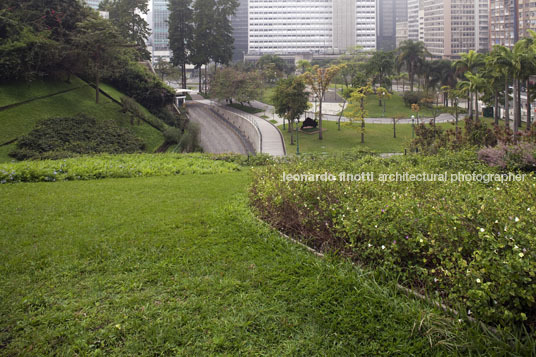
{"points": [[494, 79], [473, 84], [527, 58], [502, 60], [411, 54], [469, 62]]}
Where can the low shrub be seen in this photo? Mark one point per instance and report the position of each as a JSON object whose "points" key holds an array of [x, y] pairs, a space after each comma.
{"points": [[65, 137], [470, 243], [107, 166], [521, 156], [413, 98]]}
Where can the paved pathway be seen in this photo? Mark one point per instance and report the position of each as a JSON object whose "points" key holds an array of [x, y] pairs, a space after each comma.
{"points": [[328, 113], [272, 140], [214, 135]]}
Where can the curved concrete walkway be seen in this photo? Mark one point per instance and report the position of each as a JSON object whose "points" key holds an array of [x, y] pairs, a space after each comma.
{"points": [[272, 139]]}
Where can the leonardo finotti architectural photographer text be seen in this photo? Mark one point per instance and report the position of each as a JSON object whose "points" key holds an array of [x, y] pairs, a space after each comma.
{"points": [[403, 177]]}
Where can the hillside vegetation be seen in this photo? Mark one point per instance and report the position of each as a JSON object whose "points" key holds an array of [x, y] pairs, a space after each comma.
{"points": [[20, 120]]}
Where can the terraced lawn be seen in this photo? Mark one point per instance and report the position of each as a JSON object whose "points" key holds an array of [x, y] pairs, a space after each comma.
{"points": [[179, 266]]}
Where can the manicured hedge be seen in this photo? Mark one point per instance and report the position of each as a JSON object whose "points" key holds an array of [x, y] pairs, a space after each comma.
{"points": [[473, 244]]}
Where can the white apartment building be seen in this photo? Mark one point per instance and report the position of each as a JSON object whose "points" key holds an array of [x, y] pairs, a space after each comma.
{"points": [[452, 27], [310, 26]]}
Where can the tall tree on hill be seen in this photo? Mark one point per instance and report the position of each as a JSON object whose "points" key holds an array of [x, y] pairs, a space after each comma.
{"points": [[380, 66], [126, 17], [200, 50], [181, 30], [98, 43], [223, 39]]}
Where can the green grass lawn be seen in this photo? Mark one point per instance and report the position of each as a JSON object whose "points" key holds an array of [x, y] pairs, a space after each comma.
{"points": [[378, 138], [19, 120], [267, 95], [19, 91], [179, 266], [393, 106], [246, 108]]}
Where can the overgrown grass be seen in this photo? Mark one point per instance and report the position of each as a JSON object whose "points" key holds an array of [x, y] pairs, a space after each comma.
{"points": [[178, 266], [20, 120], [19, 91], [246, 108], [4, 151]]}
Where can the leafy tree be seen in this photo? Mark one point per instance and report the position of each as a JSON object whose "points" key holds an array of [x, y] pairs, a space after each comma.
{"points": [[502, 60], [356, 107], [473, 84], [229, 84], [304, 66], [164, 69], [181, 30], [126, 15], [97, 42], [380, 66], [383, 94], [223, 40], [274, 62], [319, 79], [291, 101], [411, 54]]}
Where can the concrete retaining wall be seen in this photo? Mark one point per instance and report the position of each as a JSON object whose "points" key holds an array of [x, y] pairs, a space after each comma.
{"points": [[247, 127]]}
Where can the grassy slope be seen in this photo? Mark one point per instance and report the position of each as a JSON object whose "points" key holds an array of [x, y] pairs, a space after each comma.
{"points": [[20, 120], [15, 92], [178, 266]]}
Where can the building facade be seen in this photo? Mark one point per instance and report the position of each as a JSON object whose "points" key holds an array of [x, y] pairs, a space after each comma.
{"points": [[401, 32], [504, 23], [386, 25], [308, 26], [93, 3], [452, 27], [240, 30], [414, 6], [159, 39]]}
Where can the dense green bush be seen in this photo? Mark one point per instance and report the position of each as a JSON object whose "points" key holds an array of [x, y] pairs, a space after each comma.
{"points": [[470, 243], [105, 166], [136, 82], [413, 98], [64, 137]]}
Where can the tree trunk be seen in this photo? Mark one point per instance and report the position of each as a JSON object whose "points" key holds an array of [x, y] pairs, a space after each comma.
{"points": [[517, 112], [206, 91], [363, 131], [183, 76], [470, 105], [477, 112], [411, 79], [394, 128], [200, 87], [506, 104], [496, 112], [97, 84], [320, 137], [529, 107]]}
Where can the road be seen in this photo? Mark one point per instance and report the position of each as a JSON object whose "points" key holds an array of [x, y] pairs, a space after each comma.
{"points": [[214, 134]]}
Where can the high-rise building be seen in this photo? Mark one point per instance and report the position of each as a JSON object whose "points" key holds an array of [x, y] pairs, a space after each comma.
{"points": [[386, 27], [159, 31], [414, 6], [317, 26], [503, 21], [452, 27], [401, 32], [240, 30], [93, 3], [401, 10]]}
